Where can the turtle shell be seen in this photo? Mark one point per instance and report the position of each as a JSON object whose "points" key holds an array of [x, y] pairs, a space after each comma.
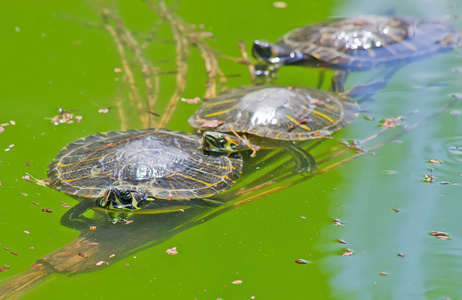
{"points": [[283, 113], [365, 42], [160, 163]]}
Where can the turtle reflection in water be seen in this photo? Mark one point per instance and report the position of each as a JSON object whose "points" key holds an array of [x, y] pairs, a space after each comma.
{"points": [[272, 117], [123, 170], [355, 44]]}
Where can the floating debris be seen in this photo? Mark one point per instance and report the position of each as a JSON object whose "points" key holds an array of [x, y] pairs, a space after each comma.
{"points": [[118, 70], [194, 100], [172, 251], [342, 241], [280, 4], [428, 178], [395, 209], [337, 222], [368, 118], [434, 161], [92, 228], [26, 232], [62, 117], [302, 261], [103, 110], [14, 253], [440, 235], [303, 217], [383, 273], [391, 122], [40, 182], [237, 282], [400, 254], [4, 268], [46, 210], [348, 252]]}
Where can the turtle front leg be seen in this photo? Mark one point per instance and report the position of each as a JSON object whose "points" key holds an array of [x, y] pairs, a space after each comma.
{"points": [[338, 81]]}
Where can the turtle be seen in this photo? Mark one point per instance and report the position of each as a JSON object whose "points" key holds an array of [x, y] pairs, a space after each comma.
{"points": [[122, 170], [272, 117], [356, 44]]}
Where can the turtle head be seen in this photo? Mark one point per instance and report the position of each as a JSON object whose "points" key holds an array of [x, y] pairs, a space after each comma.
{"points": [[275, 55], [221, 142], [121, 199]]}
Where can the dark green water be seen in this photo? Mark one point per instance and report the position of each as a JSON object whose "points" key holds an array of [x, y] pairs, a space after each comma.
{"points": [[56, 54]]}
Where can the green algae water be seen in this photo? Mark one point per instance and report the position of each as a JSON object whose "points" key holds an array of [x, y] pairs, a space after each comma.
{"points": [[384, 225]]}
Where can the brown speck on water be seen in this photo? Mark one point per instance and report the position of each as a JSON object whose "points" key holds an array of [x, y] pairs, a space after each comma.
{"points": [[64, 204], [368, 118], [4, 268], [342, 241], [112, 255], [47, 210], [27, 163], [92, 228], [93, 244], [395, 209], [400, 254], [383, 273], [301, 261], [14, 253], [35, 203], [7, 249], [337, 222], [36, 266], [82, 254]]}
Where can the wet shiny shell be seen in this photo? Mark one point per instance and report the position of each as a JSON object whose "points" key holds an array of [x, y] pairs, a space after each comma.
{"points": [[164, 164], [284, 113], [364, 42]]}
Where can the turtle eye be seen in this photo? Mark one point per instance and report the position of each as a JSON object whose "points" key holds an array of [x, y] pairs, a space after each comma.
{"points": [[127, 195], [222, 140]]}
